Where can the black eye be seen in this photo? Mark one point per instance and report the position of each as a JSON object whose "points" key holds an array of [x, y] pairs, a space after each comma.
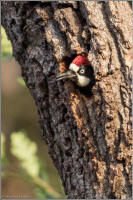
{"points": [[82, 71]]}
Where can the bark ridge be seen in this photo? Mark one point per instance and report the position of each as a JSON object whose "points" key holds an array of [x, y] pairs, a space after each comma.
{"points": [[89, 139]]}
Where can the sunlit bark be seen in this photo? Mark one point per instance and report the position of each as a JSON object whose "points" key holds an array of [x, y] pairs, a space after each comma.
{"points": [[89, 139]]}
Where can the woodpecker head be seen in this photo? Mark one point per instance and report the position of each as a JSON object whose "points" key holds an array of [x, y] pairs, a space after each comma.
{"points": [[80, 71]]}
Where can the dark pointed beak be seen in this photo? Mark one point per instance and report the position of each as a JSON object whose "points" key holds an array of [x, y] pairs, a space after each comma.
{"points": [[67, 74]]}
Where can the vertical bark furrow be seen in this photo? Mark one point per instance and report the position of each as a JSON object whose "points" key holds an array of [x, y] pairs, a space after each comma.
{"points": [[112, 21], [89, 139]]}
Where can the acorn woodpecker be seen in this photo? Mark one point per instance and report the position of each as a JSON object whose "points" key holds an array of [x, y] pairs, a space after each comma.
{"points": [[81, 72]]}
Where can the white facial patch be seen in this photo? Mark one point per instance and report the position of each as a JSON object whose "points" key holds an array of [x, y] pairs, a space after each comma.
{"points": [[82, 80], [73, 67]]}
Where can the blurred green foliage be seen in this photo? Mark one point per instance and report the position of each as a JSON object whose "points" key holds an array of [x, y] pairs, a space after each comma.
{"points": [[2, 145], [6, 48], [21, 81], [4, 160], [6, 51], [32, 169], [26, 152]]}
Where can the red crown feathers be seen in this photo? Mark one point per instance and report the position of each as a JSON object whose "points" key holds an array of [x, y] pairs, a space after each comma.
{"points": [[78, 61], [81, 60]]}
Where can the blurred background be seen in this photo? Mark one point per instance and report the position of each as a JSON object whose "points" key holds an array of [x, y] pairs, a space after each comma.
{"points": [[27, 169]]}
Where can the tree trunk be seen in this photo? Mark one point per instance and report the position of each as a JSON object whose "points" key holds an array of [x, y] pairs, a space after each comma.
{"points": [[89, 139]]}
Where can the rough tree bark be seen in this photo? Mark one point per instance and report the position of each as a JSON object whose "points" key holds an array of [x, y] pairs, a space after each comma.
{"points": [[89, 139]]}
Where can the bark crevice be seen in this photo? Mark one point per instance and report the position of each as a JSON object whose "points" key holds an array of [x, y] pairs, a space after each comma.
{"points": [[89, 139]]}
